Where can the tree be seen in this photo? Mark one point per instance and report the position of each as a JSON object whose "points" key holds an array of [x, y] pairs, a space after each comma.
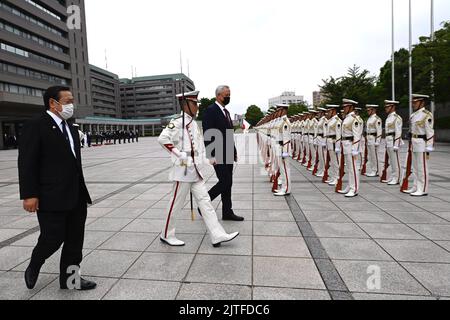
{"points": [[295, 109], [204, 104], [254, 115]]}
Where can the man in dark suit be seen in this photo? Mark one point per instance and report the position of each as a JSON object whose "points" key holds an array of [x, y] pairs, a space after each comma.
{"points": [[52, 184], [219, 140]]}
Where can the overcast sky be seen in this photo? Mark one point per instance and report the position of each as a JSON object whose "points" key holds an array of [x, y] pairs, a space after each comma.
{"points": [[258, 47]]}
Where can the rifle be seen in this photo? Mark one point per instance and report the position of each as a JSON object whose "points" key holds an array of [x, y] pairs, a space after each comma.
{"points": [[386, 166], [316, 165], [341, 173], [326, 176], [366, 158], [405, 184]]}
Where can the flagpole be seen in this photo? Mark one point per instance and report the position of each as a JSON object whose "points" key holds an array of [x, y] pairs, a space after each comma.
{"points": [[410, 60], [393, 52], [433, 105]]}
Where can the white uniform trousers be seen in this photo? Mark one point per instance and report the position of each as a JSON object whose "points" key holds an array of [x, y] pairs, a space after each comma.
{"points": [[353, 172], [313, 149], [333, 172], [421, 173], [285, 175], [307, 146], [177, 201], [373, 166], [322, 159], [394, 165]]}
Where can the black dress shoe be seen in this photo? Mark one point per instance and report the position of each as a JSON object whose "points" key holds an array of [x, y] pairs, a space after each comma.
{"points": [[31, 277], [232, 217], [85, 285]]}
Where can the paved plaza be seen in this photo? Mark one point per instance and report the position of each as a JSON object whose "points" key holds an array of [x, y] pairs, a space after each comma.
{"points": [[314, 244]]}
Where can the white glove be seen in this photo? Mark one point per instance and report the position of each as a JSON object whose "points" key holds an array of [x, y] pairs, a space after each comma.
{"points": [[285, 155], [212, 162], [338, 150], [430, 149], [324, 144], [396, 149], [183, 156], [355, 153]]}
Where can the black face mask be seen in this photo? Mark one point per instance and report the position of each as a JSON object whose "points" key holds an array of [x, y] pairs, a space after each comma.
{"points": [[226, 101]]}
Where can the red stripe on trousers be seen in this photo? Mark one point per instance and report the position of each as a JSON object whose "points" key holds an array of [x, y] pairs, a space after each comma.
{"points": [[171, 210], [425, 172], [354, 174], [286, 173], [398, 165]]}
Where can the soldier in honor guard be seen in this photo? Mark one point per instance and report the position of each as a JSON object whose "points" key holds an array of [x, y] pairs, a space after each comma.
{"points": [[183, 139], [296, 137], [321, 142], [394, 129], [352, 130], [301, 137], [374, 133], [334, 133], [283, 150], [306, 148], [422, 144], [312, 129]]}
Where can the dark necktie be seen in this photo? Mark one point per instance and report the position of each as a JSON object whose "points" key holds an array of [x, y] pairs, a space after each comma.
{"points": [[64, 128], [229, 117]]}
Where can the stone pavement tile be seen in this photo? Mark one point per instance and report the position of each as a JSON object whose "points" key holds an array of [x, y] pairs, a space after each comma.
{"points": [[160, 266], [397, 206], [394, 279], [245, 228], [284, 294], [155, 214], [417, 217], [93, 239], [444, 244], [273, 215], [7, 211], [270, 205], [282, 229], [11, 257], [128, 197], [122, 212], [444, 215], [241, 246], [361, 206], [139, 204], [145, 226], [286, 273], [221, 269], [354, 249], [29, 241], [390, 231], [371, 217], [6, 234], [108, 203], [337, 230], [24, 223], [98, 212], [192, 241], [112, 264], [318, 206], [8, 219], [376, 196], [326, 216], [435, 277], [434, 206], [415, 251], [192, 227], [214, 292], [281, 247], [143, 290], [12, 286], [126, 241], [53, 292], [108, 224], [387, 297], [433, 231]]}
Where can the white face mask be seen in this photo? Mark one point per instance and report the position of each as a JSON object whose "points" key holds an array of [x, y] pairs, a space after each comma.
{"points": [[67, 111]]}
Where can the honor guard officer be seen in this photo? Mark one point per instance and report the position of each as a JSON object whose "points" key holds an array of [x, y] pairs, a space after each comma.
{"points": [[306, 145], [284, 147], [312, 139], [334, 135], [322, 142], [394, 129], [183, 139], [422, 134], [352, 130], [374, 131]]}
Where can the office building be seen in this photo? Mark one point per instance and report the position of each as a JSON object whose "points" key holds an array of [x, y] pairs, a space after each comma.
{"points": [[288, 97]]}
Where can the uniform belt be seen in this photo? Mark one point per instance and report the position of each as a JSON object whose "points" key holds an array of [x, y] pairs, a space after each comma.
{"points": [[390, 134], [347, 138], [415, 136], [332, 137], [372, 134]]}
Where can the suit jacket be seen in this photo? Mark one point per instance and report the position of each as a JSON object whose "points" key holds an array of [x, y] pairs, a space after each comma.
{"points": [[214, 118], [48, 169]]}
